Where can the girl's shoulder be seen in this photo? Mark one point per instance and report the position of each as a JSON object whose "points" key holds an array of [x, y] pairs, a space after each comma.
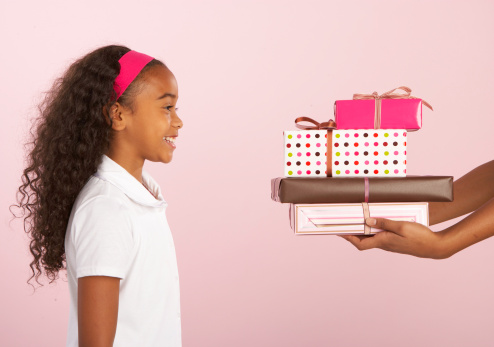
{"points": [[98, 194]]}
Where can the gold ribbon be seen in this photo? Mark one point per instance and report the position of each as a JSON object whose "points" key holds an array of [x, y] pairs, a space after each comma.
{"points": [[329, 126], [387, 95]]}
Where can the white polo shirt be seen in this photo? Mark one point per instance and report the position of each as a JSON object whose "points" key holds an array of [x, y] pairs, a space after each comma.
{"points": [[118, 229]]}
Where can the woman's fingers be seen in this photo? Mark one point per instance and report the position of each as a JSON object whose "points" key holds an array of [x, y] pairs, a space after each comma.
{"points": [[380, 240], [364, 242], [358, 241], [386, 224], [400, 237]]}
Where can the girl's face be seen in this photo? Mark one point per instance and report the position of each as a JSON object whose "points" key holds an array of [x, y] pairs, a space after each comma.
{"points": [[153, 126]]}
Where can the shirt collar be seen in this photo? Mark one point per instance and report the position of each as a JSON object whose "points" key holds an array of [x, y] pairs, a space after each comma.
{"points": [[113, 173]]}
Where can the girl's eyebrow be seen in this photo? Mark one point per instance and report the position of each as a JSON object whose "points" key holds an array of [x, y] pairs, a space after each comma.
{"points": [[166, 95]]}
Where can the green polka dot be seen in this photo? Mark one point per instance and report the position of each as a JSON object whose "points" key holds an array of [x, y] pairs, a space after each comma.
{"points": [[337, 136], [386, 134], [337, 154], [290, 136], [337, 172], [290, 154], [386, 153], [386, 171], [290, 172]]}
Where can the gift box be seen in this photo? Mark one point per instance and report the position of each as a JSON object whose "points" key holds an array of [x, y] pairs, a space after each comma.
{"points": [[358, 153], [310, 190], [306, 153], [373, 153], [387, 111], [338, 219]]}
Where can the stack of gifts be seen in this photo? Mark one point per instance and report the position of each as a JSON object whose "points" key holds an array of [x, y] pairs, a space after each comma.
{"points": [[339, 173]]}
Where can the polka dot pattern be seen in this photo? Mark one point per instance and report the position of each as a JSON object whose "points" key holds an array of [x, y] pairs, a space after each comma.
{"points": [[384, 156], [385, 161], [303, 155]]}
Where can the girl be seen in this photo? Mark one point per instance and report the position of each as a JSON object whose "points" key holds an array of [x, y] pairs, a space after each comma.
{"points": [[89, 205], [472, 192]]}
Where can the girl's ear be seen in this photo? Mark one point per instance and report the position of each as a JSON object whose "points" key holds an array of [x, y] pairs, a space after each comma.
{"points": [[115, 118]]}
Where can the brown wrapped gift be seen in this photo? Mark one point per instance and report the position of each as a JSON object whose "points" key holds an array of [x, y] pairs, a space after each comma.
{"points": [[327, 190]]}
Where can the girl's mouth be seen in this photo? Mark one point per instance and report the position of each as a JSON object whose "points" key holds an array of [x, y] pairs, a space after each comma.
{"points": [[170, 140]]}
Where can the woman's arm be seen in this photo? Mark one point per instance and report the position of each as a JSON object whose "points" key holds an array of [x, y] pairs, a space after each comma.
{"points": [[418, 240], [97, 310], [470, 192]]}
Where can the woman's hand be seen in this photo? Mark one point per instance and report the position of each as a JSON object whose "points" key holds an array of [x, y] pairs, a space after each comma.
{"points": [[472, 192], [402, 237]]}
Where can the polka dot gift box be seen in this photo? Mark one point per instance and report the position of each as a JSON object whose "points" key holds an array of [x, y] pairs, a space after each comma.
{"points": [[369, 153], [305, 153]]}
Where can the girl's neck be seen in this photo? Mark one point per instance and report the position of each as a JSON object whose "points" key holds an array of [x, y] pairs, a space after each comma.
{"points": [[129, 163]]}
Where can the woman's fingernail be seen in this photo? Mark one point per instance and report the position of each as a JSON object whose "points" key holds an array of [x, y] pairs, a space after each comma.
{"points": [[371, 221]]}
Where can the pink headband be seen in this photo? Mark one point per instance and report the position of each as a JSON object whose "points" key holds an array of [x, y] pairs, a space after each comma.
{"points": [[131, 64]]}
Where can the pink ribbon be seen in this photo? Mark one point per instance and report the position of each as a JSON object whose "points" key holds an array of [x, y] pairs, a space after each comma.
{"points": [[366, 189], [387, 95], [329, 125], [365, 207]]}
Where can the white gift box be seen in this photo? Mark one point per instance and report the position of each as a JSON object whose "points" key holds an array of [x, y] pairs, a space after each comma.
{"points": [[369, 153], [305, 153], [353, 153], [338, 219]]}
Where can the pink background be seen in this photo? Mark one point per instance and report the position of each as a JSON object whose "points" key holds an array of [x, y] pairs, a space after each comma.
{"points": [[245, 71]]}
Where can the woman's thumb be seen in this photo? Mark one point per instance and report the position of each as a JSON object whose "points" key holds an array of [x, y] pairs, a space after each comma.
{"points": [[371, 222], [385, 224]]}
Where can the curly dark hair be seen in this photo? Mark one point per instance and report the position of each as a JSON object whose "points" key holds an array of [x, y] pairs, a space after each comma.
{"points": [[70, 135]]}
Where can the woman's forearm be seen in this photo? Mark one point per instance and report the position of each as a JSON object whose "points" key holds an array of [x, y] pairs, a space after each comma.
{"points": [[470, 192], [473, 192], [476, 227]]}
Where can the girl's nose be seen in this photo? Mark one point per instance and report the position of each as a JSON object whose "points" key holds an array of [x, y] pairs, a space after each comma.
{"points": [[177, 122]]}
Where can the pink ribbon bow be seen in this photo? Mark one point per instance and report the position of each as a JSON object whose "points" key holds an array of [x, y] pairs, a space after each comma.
{"points": [[388, 95]]}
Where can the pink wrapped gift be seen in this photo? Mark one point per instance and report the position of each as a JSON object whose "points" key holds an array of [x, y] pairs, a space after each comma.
{"points": [[339, 219], [386, 111]]}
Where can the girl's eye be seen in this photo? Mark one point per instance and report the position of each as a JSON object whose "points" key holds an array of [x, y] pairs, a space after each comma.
{"points": [[169, 108]]}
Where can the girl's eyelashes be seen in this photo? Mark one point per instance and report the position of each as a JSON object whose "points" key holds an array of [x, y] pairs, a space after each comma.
{"points": [[170, 107]]}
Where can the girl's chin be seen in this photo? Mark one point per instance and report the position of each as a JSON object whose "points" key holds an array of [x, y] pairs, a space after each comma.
{"points": [[166, 159]]}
